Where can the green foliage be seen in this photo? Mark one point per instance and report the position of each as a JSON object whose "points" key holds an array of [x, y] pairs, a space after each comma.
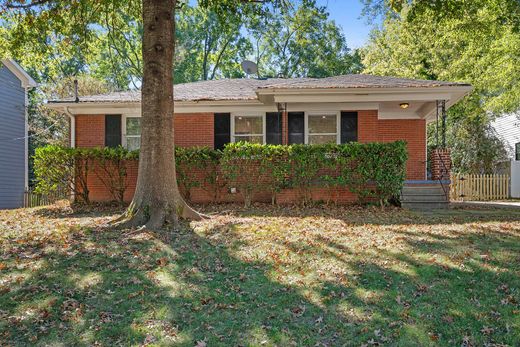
{"points": [[63, 167], [244, 167], [373, 171], [56, 39], [57, 167], [473, 41], [111, 169], [301, 41], [197, 167], [50, 127], [379, 169]]}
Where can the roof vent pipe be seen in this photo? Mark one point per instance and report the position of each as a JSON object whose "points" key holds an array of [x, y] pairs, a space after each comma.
{"points": [[76, 96]]}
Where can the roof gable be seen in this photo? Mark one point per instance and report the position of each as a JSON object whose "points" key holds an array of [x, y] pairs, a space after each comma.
{"points": [[25, 79]]}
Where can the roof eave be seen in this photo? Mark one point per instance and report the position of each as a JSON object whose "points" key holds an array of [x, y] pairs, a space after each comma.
{"points": [[20, 73]]}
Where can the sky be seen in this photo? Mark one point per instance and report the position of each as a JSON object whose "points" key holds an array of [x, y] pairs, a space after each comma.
{"points": [[347, 14]]}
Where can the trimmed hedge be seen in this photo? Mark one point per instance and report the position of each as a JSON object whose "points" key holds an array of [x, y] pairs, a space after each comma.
{"points": [[57, 166], [373, 171]]}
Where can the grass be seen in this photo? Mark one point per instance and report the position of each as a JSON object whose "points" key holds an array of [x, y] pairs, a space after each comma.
{"points": [[323, 276]]}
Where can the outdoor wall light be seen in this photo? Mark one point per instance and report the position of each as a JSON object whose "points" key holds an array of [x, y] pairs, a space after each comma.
{"points": [[404, 105]]}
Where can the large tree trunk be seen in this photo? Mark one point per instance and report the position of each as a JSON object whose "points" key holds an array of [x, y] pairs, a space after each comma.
{"points": [[157, 202]]}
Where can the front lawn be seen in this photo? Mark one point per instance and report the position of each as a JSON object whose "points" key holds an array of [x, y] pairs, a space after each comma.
{"points": [[325, 276]]}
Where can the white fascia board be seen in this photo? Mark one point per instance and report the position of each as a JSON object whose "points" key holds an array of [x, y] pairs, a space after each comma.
{"points": [[27, 81], [450, 93], [208, 107], [95, 108], [179, 107], [333, 106]]}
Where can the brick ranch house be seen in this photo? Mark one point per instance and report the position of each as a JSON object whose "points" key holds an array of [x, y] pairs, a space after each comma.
{"points": [[337, 109]]}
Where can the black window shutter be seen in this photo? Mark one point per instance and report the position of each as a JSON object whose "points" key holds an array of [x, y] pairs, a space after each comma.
{"points": [[112, 130], [222, 130], [296, 127], [273, 128], [349, 127]]}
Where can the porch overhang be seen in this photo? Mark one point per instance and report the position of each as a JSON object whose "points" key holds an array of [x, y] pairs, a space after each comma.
{"points": [[422, 101]]}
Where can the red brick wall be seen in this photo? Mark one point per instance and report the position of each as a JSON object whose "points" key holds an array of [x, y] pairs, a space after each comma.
{"points": [[197, 130], [367, 126], [90, 130], [413, 131], [98, 191]]}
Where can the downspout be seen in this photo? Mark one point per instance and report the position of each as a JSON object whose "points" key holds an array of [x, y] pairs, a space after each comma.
{"points": [[72, 127], [72, 144]]}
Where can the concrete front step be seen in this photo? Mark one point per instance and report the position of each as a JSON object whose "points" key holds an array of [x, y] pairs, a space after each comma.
{"points": [[423, 190], [425, 205], [424, 197]]}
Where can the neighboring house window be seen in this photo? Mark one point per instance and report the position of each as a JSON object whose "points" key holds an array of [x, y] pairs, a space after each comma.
{"points": [[517, 151], [133, 133], [322, 128], [249, 128]]}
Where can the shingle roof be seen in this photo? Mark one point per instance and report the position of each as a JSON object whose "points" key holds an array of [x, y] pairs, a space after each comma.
{"points": [[357, 81], [245, 89]]}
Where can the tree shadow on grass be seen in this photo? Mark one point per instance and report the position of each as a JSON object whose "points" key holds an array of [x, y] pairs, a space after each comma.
{"points": [[103, 289], [361, 215], [64, 209], [115, 288]]}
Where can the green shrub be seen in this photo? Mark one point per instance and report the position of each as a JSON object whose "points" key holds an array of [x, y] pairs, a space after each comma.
{"points": [[374, 171], [112, 164], [57, 166], [242, 165], [198, 167]]}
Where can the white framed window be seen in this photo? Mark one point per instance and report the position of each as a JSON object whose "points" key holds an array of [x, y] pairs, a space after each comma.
{"points": [[248, 127], [132, 132], [322, 127]]}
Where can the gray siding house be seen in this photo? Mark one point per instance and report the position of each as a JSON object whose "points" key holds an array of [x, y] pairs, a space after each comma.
{"points": [[14, 84]]}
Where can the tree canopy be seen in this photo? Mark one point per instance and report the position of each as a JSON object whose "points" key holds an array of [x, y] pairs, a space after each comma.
{"points": [[103, 38], [476, 42]]}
